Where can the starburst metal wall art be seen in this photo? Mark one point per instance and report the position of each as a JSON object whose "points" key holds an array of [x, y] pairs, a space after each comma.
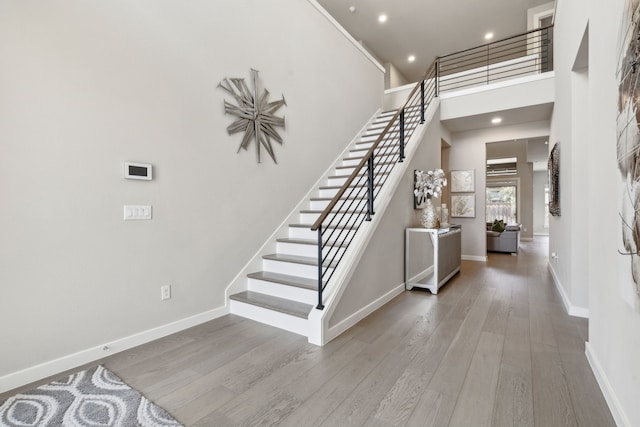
{"points": [[256, 115]]}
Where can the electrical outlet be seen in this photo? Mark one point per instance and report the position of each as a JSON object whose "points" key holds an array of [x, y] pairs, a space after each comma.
{"points": [[165, 292]]}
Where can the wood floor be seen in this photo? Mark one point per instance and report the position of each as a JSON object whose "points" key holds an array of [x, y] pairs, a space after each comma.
{"points": [[493, 348]]}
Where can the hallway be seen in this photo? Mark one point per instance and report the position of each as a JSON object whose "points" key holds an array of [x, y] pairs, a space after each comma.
{"points": [[493, 348]]}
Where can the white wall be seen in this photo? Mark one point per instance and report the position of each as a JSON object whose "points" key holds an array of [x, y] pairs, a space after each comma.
{"points": [[381, 268], [89, 86], [468, 152], [393, 77], [569, 128], [540, 182], [614, 326]]}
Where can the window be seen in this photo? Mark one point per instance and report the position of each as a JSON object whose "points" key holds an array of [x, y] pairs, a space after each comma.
{"points": [[501, 203]]}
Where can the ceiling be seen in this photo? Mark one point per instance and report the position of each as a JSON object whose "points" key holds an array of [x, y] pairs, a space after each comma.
{"points": [[514, 116], [428, 28]]}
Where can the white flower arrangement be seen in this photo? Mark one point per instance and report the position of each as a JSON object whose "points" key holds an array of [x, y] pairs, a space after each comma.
{"points": [[429, 184]]}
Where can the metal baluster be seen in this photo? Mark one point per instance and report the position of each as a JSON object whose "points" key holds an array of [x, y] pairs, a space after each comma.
{"points": [[422, 102], [320, 305], [487, 64], [369, 188], [401, 136], [437, 77]]}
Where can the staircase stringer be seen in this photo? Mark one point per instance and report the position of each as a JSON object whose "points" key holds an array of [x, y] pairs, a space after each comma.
{"points": [[319, 331], [239, 282]]}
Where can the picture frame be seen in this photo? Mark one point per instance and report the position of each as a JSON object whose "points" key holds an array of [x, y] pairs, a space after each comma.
{"points": [[419, 202], [463, 206], [553, 166], [463, 181]]}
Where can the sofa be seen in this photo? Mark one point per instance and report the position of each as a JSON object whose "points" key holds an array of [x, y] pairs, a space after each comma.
{"points": [[505, 241]]}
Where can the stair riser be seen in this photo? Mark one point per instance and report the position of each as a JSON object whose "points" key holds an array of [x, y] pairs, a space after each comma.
{"points": [[306, 233], [355, 161], [392, 153], [322, 204], [290, 268], [297, 249], [340, 181], [294, 293], [374, 134], [269, 317], [340, 219], [364, 146], [359, 192], [337, 181], [331, 192]]}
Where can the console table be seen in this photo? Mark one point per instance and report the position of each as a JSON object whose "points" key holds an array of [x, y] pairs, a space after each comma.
{"points": [[432, 256]]}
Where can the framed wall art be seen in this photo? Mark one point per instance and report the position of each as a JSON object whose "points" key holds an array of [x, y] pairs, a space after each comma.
{"points": [[463, 181], [554, 180], [463, 206]]}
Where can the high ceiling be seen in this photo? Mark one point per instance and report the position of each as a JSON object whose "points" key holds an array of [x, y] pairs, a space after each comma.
{"points": [[428, 28]]}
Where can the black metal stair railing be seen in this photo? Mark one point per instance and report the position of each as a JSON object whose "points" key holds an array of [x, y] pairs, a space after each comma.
{"points": [[354, 202], [525, 54]]}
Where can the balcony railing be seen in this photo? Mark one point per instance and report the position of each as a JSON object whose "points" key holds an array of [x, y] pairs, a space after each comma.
{"points": [[525, 54]]}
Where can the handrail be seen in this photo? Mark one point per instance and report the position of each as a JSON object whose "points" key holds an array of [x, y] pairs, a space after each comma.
{"points": [[347, 210], [354, 200], [365, 159]]}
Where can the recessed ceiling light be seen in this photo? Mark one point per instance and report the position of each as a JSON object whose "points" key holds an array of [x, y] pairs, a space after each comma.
{"points": [[382, 18], [488, 36], [411, 58], [496, 120], [352, 9]]}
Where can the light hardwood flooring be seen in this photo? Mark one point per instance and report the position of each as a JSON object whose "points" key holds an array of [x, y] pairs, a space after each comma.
{"points": [[493, 348]]}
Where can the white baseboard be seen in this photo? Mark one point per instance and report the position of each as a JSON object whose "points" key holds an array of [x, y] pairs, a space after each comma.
{"points": [[615, 407], [345, 324], [571, 309], [474, 258], [71, 361]]}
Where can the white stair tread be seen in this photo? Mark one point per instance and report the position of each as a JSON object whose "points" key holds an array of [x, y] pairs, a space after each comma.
{"points": [[282, 305]]}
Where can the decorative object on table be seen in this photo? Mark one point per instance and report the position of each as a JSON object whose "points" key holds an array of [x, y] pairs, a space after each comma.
{"points": [[463, 181], [554, 180], [445, 214], [95, 397], [256, 115], [463, 206], [628, 151], [426, 186]]}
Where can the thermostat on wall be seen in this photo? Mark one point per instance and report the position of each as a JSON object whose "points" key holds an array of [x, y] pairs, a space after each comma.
{"points": [[138, 171]]}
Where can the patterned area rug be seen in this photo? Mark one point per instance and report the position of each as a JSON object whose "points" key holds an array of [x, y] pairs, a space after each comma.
{"points": [[95, 397]]}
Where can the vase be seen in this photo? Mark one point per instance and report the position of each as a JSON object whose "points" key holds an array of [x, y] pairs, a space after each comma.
{"points": [[429, 218]]}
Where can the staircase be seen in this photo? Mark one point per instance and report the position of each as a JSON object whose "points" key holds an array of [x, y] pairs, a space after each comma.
{"points": [[285, 291]]}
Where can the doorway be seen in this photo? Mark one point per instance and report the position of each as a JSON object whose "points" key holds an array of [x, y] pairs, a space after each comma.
{"points": [[501, 202]]}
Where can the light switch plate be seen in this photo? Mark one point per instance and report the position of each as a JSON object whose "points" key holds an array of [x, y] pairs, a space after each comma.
{"points": [[132, 212]]}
